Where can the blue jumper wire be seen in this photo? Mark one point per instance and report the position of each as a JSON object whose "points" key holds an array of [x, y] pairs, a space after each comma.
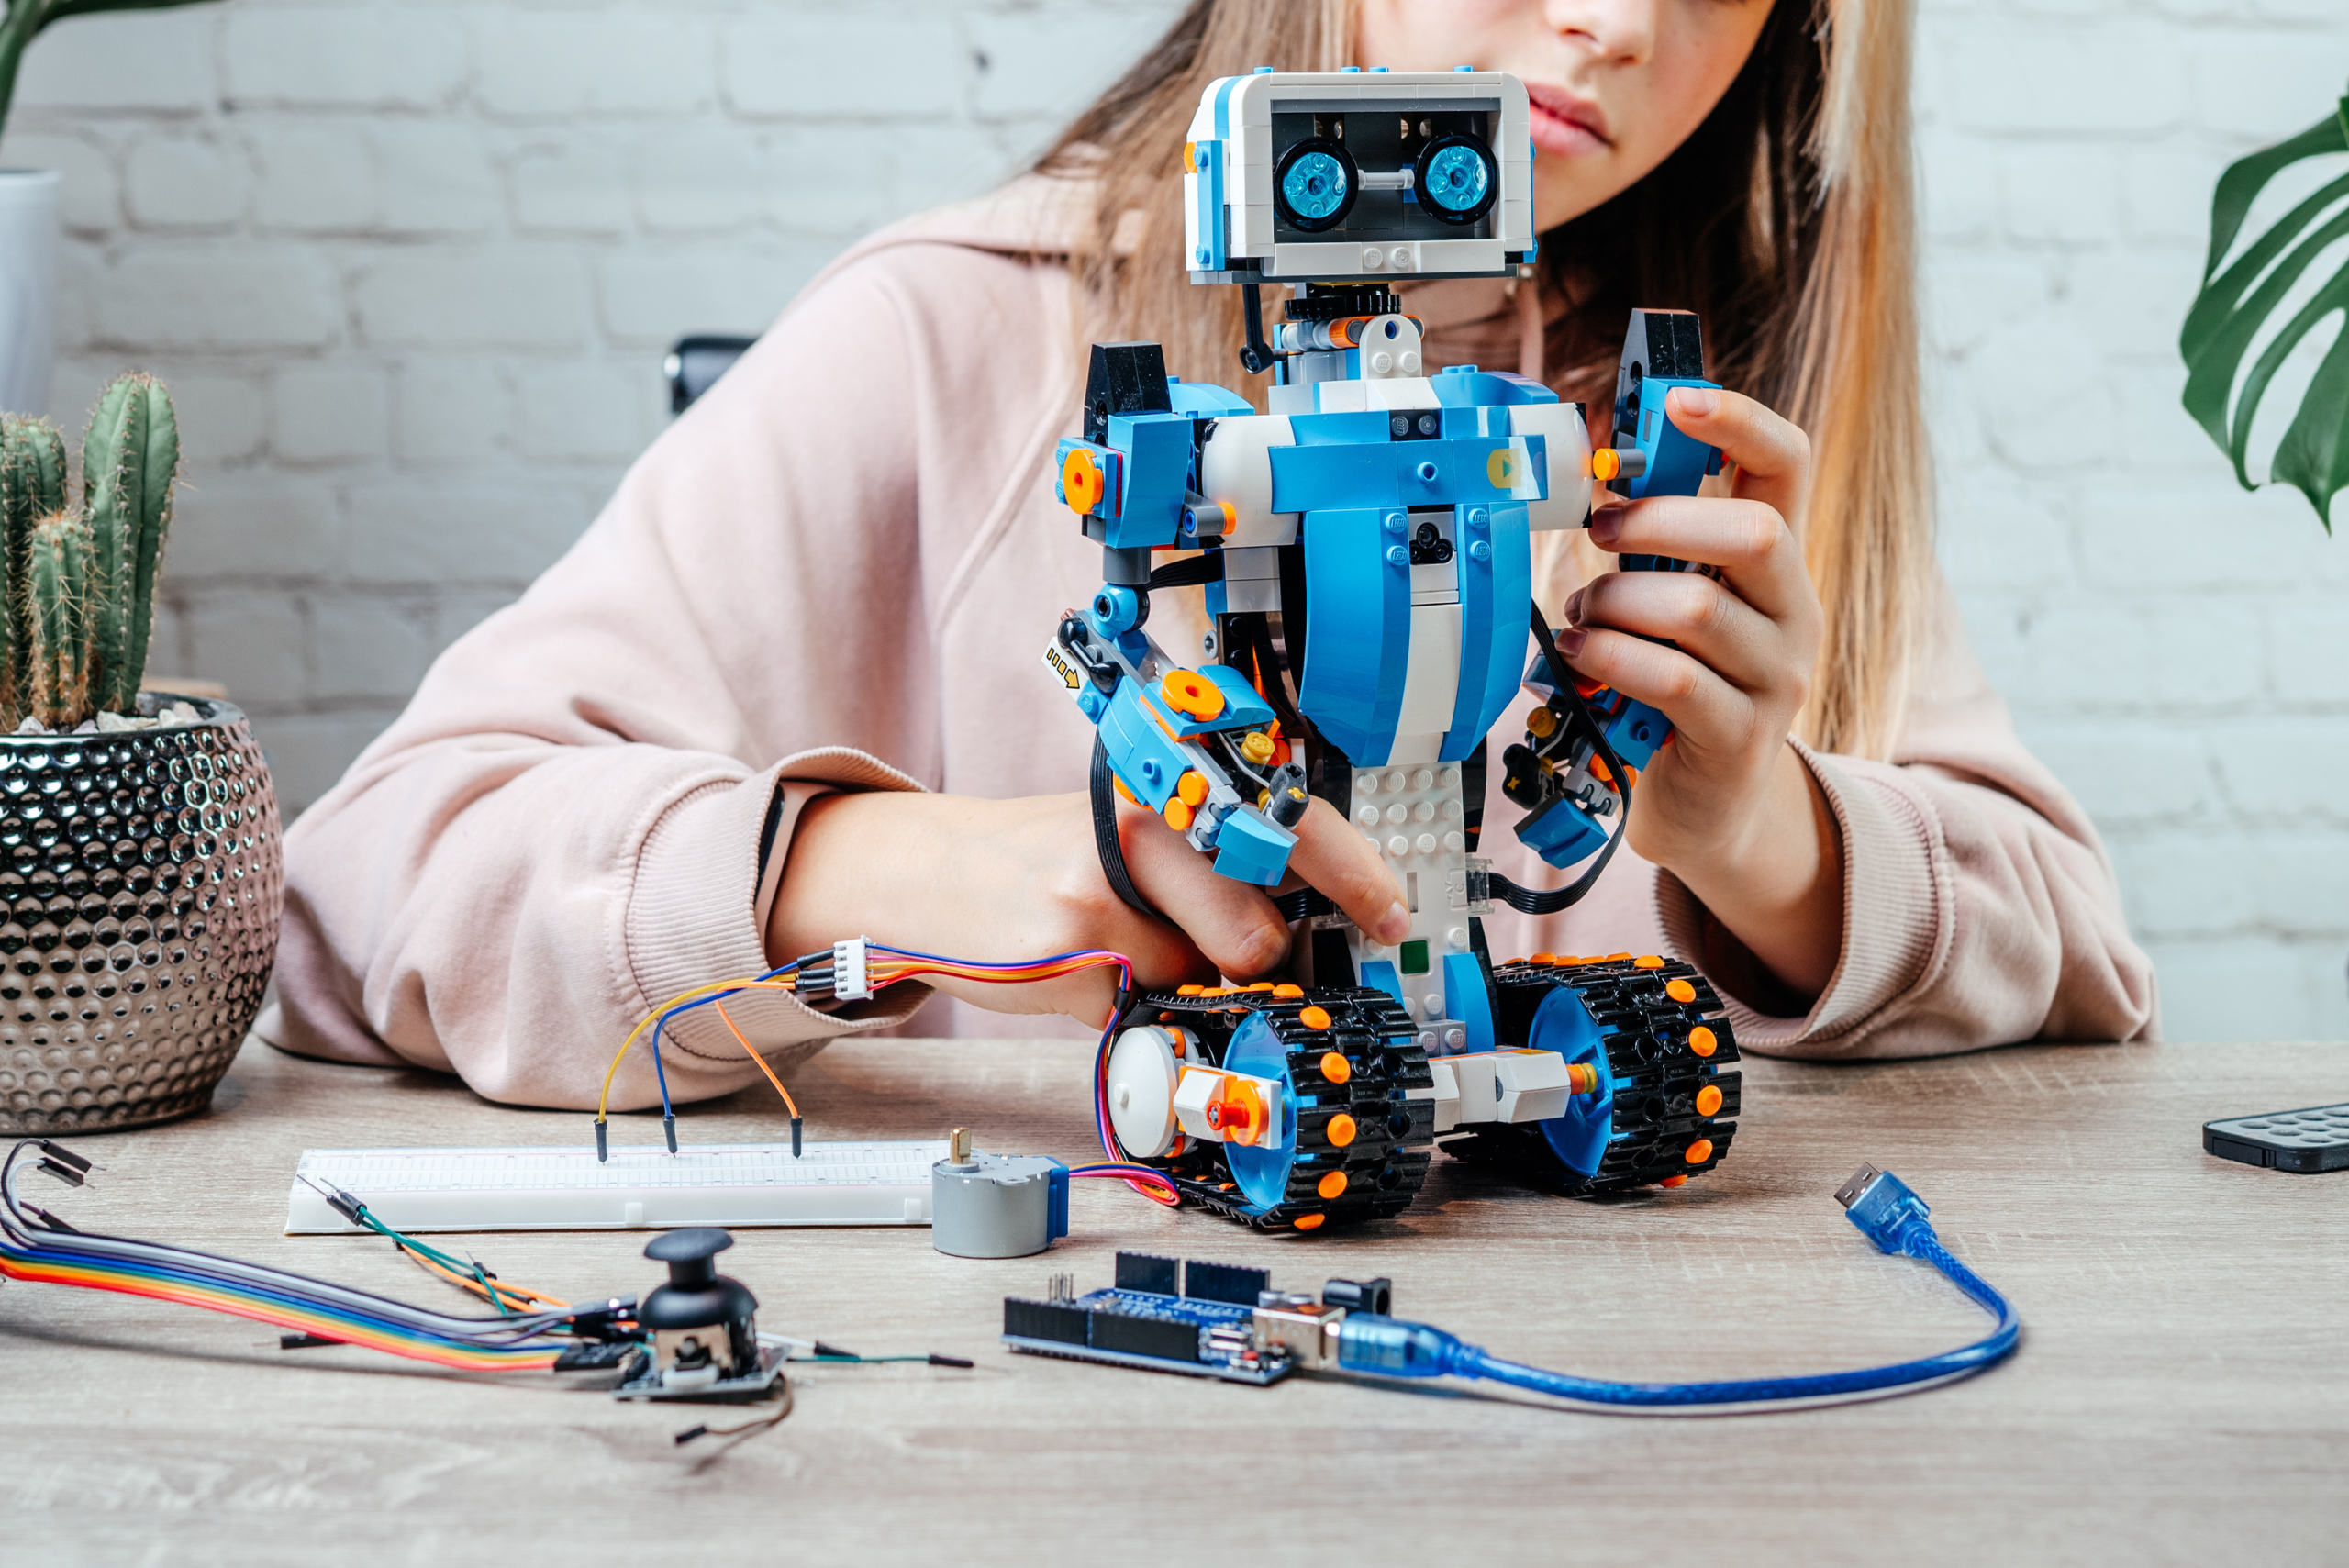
{"points": [[1878, 1202]]}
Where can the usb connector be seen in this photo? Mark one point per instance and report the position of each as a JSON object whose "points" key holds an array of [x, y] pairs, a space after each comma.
{"points": [[1886, 1212]]}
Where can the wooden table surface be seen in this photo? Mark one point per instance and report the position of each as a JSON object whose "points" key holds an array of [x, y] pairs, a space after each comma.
{"points": [[2182, 1392]]}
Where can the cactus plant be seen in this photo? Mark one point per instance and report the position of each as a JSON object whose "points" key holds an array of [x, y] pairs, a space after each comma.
{"points": [[79, 583], [22, 20]]}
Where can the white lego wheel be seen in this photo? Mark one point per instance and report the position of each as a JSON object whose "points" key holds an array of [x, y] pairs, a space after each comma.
{"points": [[1142, 1090]]}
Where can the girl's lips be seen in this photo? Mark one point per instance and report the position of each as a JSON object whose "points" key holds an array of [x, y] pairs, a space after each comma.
{"points": [[1564, 124]]}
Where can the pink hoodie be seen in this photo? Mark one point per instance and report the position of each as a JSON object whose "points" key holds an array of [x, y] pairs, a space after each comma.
{"points": [[839, 570]]}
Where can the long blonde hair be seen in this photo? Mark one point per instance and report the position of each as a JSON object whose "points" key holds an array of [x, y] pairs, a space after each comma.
{"points": [[1786, 220]]}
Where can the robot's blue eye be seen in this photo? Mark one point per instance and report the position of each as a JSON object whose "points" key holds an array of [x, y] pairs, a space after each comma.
{"points": [[1457, 179], [1315, 186]]}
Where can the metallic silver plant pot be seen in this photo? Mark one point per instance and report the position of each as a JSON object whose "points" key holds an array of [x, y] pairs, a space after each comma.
{"points": [[141, 879]]}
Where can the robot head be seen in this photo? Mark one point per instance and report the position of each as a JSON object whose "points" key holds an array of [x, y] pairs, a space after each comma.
{"points": [[1358, 176]]}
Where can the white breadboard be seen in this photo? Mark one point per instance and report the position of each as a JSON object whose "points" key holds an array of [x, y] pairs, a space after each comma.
{"points": [[568, 1189]]}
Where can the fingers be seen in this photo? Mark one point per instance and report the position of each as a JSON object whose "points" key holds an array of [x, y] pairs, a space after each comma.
{"points": [[1706, 710], [1234, 923], [1772, 454], [1345, 869], [1747, 541], [1745, 647]]}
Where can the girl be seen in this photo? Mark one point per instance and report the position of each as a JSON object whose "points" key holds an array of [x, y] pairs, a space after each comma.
{"points": [[788, 689]]}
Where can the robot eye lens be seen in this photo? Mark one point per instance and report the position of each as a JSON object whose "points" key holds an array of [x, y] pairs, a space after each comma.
{"points": [[1315, 186], [1457, 178], [1427, 424], [1400, 424]]}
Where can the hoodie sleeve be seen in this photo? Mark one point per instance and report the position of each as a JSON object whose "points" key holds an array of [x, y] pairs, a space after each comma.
{"points": [[1979, 906], [565, 827]]}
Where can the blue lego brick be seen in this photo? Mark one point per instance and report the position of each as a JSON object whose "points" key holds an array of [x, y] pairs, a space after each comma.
{"points": [[1357, 626], [1465, 386], [1561, 833], [1204, 398], [1157, 478], [1494, 556], [1205, 192], [1249, 849], [1379, 976], [1352, 427], [1056, 1202], [1409, 474], [1140, 752], [1677, 462], [1244, 705], [1465, 998], [1635, 731], [1112, 464]]}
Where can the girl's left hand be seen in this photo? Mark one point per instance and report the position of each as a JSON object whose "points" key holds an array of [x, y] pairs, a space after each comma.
{"points": [[1727, 806]]}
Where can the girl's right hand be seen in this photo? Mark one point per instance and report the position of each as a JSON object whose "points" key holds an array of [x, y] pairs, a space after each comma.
{"points": [[1008, 880]]}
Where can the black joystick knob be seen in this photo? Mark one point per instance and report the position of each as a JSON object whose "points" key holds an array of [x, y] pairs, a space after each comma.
{"points": [[697, 1297], [690, 1254]]}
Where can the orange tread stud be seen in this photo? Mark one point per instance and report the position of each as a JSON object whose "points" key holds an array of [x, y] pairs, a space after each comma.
{"points": [[1332, 1185], [1673, 1181], [1618, 958], [1188, 990], [1703, 1042], [1336, 1068], [1700, 1152], [1191, 788], [1288, 993], [1680, 990], [1310, 1221], [1342, 1131], [1314, 1017], [1544, 958], [1647, 960], [1709, 1100]]}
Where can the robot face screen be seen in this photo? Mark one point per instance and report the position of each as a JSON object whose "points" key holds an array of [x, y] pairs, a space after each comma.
{"points": [[1381, 173]]}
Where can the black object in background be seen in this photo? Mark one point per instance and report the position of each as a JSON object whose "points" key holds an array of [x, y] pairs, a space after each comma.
{"points": [[696, 362], [2301, 1141]]}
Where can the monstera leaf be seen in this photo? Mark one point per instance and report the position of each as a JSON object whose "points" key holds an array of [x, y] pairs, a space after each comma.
{"points": [[2237, 305]]}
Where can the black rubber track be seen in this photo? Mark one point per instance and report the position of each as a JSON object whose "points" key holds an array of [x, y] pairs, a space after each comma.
{"points": [[1658, 1076], [1394, 1138]]}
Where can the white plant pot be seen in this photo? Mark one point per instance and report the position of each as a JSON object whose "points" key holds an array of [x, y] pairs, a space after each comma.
{"points": [[28, 224]]}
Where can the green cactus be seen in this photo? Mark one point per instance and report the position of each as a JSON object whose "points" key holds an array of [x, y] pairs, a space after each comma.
{"points": [[129, 459], [79, 583], [32, 485], [57, 676]]}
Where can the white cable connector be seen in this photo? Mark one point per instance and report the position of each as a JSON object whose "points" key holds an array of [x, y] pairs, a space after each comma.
{"points": [[850, 983]]}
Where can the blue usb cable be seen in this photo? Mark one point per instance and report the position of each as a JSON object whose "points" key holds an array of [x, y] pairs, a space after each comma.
{"points": [[1879, 1203]]}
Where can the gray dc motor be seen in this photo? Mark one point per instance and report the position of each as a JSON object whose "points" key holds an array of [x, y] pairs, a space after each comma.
{"points": [[995, 1206]]}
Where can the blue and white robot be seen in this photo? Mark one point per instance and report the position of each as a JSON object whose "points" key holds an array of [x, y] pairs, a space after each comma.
{"points": [[1365, 550]]}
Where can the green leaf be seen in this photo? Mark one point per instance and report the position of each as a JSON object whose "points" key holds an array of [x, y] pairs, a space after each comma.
{"points": [[2235, 307]]}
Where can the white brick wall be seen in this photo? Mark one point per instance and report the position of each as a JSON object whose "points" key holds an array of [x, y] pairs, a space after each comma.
{"points": [[410, 266]]}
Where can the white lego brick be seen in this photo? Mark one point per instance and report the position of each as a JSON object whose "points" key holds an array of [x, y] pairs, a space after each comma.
{"points": [[1243, 565], [1340, 396], [1399, 392], [1567, 444], [1446, 1091], [1254, 185], [1533, 1084], [1480, 1088], [1193, 1093], [1234, 470], [1431, 680]]}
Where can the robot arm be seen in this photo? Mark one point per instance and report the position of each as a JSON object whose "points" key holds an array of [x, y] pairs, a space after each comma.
{"points": [[1199, 746]]}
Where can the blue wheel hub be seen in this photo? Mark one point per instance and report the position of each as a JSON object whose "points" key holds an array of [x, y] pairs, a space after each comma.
{"points": [[1261, 1170], [1579, 1136], [1457, 179], [1315, 186]]}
